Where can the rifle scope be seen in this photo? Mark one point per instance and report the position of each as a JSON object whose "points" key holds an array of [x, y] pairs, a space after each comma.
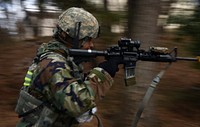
{"points": [[126, 42]]}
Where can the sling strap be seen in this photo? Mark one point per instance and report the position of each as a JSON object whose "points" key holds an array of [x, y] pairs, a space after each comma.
{"points": [[148, 95]]}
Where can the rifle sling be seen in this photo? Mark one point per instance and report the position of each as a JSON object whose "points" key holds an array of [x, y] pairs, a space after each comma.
{"points": [[148, 95]]}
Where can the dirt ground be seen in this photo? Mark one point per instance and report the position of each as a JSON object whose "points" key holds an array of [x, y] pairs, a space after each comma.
{"points": [[175, 102]]}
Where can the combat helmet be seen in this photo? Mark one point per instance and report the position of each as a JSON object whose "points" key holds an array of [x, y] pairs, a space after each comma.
{"points": [[77, 21]]}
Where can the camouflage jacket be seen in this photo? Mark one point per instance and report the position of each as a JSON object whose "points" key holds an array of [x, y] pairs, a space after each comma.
{"points": [[59, 82]]}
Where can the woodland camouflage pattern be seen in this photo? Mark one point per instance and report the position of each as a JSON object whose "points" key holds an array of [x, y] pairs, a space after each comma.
{"points": [[58, 81], [89, 25]]}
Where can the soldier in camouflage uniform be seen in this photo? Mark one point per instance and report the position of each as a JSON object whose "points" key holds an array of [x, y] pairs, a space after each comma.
{"points": [[56, 93]]}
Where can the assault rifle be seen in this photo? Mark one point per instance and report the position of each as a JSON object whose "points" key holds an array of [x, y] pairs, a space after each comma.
{"points": [[130, 52]]}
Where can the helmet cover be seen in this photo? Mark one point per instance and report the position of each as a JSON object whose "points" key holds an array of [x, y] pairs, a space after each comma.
{"points": [[89, 25]]}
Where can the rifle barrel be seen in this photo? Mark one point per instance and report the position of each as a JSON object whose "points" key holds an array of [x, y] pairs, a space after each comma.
{"points": [[89, 53], [187, 58]]}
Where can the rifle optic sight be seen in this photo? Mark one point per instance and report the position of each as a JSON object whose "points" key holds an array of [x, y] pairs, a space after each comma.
{"points": [[126, 42]]}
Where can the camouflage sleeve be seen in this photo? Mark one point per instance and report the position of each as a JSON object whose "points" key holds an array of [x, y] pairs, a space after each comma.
{"points": [[77, 98], [100, 82]]}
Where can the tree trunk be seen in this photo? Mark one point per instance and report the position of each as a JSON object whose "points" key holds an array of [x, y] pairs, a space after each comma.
{"points": [[142, 26], [142, 20]]}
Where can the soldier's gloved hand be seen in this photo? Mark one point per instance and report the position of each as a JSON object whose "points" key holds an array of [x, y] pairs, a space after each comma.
{"points": [[111, 65]]}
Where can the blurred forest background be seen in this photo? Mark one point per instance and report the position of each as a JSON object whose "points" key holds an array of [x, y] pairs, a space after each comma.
{"points": [[25, 24]]}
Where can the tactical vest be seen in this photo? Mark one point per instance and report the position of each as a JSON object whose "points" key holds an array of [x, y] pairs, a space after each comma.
{"points": [[35, 112]]}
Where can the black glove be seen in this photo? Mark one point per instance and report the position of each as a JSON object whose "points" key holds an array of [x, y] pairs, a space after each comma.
{"points": [[111, 65]]}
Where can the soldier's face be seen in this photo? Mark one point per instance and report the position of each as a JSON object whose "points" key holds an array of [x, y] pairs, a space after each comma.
{"points": [[88, 44]]}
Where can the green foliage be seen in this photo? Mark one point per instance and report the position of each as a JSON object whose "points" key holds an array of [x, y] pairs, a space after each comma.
{"points": [[190, 26], [179, 19]]}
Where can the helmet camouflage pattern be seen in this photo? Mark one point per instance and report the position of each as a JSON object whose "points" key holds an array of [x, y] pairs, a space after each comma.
{"points": [[89, 25]]}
